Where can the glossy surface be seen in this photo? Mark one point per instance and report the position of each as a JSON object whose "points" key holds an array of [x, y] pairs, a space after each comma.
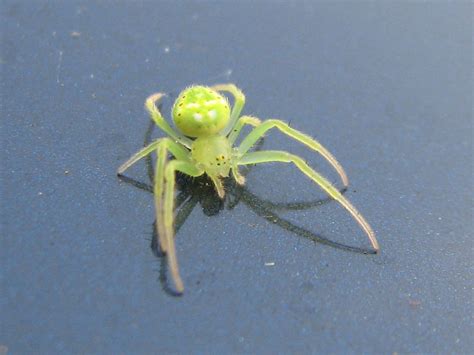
{"points": [[386, 87]]}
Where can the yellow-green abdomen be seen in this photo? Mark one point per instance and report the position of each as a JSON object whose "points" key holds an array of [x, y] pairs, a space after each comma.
{"points": [[200, 111]]}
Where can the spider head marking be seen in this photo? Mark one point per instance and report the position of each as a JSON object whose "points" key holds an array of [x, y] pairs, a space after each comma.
{"points": [[200, 111]]}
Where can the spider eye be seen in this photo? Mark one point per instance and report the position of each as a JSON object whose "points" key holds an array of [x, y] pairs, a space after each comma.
{"points": [[200, 111]]}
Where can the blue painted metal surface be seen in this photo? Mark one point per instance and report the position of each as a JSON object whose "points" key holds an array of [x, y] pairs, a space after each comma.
{"points": [[386, 87]]}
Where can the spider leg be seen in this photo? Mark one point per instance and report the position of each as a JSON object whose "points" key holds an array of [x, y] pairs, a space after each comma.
{"points": [[260, 130], [218, 185], [165, 145], [137, 156], [158, 188], [241, 122], [168, 209], [177, 150], [285, 157], [239, 103], [238, 177], [150, 105]]}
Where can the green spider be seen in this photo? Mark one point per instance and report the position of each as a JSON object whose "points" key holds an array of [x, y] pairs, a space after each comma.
{"points": [[204, 144]]}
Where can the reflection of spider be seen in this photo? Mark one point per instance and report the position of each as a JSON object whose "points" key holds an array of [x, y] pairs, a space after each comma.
{"points": [[204, 145]]}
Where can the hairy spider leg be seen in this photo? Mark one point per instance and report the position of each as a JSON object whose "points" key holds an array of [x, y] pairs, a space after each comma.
{"points": [[313, 144], [176, 149], [150, 105], [137, 156], [239, 102], [162, 146], [171, 168], [285, 157], [218, 184], [241, 122]]}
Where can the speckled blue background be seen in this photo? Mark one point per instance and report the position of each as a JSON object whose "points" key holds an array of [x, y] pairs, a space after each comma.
{"points": [[386, 87]]}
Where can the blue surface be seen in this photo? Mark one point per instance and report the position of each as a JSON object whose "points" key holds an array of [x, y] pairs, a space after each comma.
{"points": [[386, 87]]}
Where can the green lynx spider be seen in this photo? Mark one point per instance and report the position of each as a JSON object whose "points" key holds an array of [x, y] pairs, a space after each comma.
{"points": [[204, 144]]}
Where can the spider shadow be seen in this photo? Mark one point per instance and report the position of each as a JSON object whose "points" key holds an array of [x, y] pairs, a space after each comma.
{"points": [[192, 191]]}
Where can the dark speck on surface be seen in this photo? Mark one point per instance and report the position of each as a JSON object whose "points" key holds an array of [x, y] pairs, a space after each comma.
{"points": [[387, 87]]}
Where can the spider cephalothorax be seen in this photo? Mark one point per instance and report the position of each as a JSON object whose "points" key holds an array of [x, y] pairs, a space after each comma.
{"points": [[203, 144], [213, 154]]}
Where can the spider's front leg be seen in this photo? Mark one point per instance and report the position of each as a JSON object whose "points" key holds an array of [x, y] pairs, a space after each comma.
{"points": [[310, 142], [165, 221], [285, 157], [239, 103], [163, 190], [177, 150], [162, 146], [244, 120], [150, 105]]}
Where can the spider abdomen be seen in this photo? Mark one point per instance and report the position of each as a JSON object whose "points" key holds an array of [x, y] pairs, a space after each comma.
{"points": [[213, 154], [200, 111]]}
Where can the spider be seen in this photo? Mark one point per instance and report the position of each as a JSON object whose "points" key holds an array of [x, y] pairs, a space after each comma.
{"points": [[203, 143]]}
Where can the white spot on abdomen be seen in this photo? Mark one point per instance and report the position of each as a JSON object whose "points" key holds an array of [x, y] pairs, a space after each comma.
{"points": [[212, 114]]}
